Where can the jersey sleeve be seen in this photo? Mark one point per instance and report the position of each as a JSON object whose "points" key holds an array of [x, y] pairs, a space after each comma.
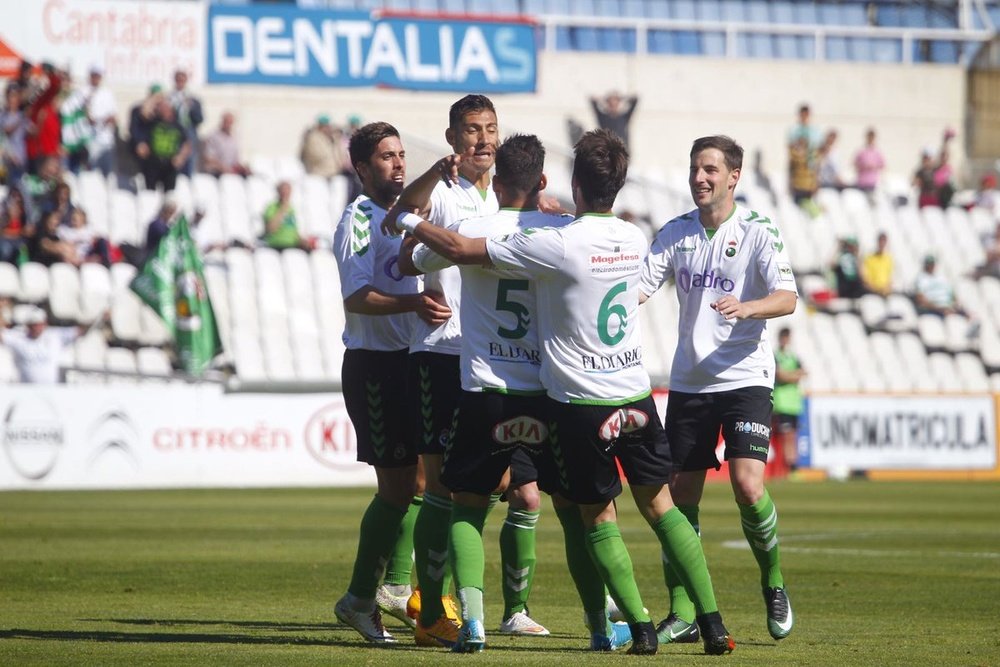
{"points": [[535, 251], [353, 250], [772, 260], [442, 207], [426, 260], [658, 267]]}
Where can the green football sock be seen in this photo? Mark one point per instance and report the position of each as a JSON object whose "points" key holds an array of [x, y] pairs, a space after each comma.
{"points": [[377, 536], [430, 547], [607, 549], [467, 556], [494, 499], [586, 578], [517, 558], [680, 602], [401, 562], [683, 548], [760, 525]]}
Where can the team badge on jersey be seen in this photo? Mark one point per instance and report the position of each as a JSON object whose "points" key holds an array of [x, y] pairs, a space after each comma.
{"points": [[622, 421], [731, 250]]}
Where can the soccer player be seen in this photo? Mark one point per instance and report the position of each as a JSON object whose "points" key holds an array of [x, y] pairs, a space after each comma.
{"points": [[732, 274], [453, 189], [600, 404], [378, 302], [500, 414]]}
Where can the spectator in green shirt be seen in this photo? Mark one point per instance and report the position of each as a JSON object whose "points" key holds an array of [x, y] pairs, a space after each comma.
{"points": [[787, 395], [280, 225]]}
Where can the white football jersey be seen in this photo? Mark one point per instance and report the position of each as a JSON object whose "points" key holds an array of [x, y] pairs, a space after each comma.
{"points": [[747, 259], [499, 317], [368, 257], [587, 285], [450, 205]]}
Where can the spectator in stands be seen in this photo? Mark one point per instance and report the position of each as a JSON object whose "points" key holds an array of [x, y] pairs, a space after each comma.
{"points": [[787, 398], [280, 225], [47, 247], [187, 110], [803, 181], [828, 171], [869, 163], [986, 195], [322, 151], [991, 267], [804, 129], [221, 151], [14, 124], [933, 294], [160, 226], [38, 348], [142, 116], [614, 113], [102, 111], [44, 136], [944, 178], [76, 130], [169, 149], [88, 246], [60, 201], [878, 267], [39, 188], [14, 228], [923, 180], [847, 270]]}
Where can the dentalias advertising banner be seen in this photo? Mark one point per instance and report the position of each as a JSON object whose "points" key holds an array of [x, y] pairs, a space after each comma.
{"points": [[263, 44], [137, 42], [901, 432], [79, 437]]}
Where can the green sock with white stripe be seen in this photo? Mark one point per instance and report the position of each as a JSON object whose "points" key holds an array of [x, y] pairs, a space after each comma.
{"points": [[517, 558], [430, 548], [680, 601], [760, 525]]}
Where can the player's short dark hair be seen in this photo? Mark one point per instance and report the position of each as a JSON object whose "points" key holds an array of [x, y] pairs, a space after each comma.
{"points": [[731, 151], [519, 162], [366, 138], [600, 167], [466, 105]]}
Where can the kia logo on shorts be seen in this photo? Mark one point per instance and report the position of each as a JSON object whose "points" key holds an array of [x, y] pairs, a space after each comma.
{"points": [[330, 437], [523, 429], [622, 421], [32, 437]]}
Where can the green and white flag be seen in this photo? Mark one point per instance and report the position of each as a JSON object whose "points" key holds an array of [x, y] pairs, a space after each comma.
{"points": [[172, 282]]}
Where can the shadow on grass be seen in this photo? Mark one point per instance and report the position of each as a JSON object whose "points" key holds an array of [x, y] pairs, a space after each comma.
{"points": [[251, 625]]}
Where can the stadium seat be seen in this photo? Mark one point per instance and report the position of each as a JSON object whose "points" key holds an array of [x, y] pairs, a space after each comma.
{"points": [[914, 358], [92, 195], [121, 360], [10, 281], [153, 362], [278, 359], [89, 350], [902, 313], [152, 329], [147, 205], [932, 332], [233, 206], [8, 371], [247, 357], [241, 284], [126, 309], [272, 299], [123, 221], [942, 368], [989, 348], [315, 220], [218, 292], [64, 296], [971, 373], [35, 284], [887, 357], [95, 291]]}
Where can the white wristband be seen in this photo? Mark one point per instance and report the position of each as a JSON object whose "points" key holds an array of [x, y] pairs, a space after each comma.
{"points": [[408, 222]]}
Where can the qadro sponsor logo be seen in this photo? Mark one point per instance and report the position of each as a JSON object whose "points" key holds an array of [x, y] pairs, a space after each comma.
{"points": [[754, 428], [523, 429], [708, 279], [624, 420], [32, 437], [330, 437]]}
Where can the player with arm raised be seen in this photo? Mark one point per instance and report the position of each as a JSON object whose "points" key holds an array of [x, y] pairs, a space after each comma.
{"points": [[454, 188], [501, 420], [732, 273], [600, 403], [378, 304]]}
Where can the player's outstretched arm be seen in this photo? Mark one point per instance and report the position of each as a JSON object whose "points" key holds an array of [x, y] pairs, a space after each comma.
{"points": [[370, 301], [452, 246], [417, 195], [777, 303]]}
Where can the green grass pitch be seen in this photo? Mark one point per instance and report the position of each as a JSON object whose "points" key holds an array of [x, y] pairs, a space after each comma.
{"points": [[878, 574]]}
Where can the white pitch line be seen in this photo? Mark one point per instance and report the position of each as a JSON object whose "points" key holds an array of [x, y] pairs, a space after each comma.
{"points": [[835, 551]]}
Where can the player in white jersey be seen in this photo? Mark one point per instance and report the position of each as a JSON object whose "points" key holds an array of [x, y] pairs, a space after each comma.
{"points": [[732, 273], [499, 413], [452, 189], [379, 303], [600, 409]]}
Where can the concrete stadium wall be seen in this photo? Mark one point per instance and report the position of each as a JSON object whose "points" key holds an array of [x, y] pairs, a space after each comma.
{"points": [[680, 99]]}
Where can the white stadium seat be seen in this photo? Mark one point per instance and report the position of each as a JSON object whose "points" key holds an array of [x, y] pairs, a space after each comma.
{"points": [[971, 373], [95, 291], [942, 368], [123, 219], [153, 361], [10, 281], [64, 296], [8, 371], [34, 282]]}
